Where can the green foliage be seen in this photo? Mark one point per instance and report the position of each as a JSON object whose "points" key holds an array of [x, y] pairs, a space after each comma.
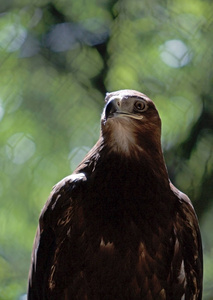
{"points": [[58, 58]]}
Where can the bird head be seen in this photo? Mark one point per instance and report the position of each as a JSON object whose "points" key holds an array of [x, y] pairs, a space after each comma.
{"points": [[130, 120]]}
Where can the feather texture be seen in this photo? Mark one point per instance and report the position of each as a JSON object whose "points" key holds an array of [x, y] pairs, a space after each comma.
{"points": [[117, 228]]}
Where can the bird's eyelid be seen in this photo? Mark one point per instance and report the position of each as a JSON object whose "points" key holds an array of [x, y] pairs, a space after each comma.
{"points": [[136, 98]]}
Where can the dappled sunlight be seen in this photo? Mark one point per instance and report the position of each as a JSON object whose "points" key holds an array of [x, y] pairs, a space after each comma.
{"points": [[175, 53], [20, 148], [12, 36], [198, 166], [76, 156], [178, 115], [58, 59]]}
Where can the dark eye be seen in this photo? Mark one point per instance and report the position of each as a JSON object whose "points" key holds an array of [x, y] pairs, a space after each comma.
{"points": [[140, 105]]}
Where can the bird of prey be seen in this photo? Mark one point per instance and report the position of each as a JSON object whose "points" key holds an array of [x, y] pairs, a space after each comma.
{"points": [[117, 228]]}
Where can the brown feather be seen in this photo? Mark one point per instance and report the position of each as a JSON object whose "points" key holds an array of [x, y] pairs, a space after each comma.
{"points": [[117, 228]]}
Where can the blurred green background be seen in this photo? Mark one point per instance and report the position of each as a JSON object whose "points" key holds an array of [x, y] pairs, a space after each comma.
{"points": [[57, 61]]}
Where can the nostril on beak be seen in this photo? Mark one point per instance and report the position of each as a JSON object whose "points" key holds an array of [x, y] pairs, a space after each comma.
{"points": [[112, 107]]}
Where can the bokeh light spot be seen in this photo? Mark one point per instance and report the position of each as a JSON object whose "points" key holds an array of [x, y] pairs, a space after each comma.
{"points": [[20, 147], [175, 53]]}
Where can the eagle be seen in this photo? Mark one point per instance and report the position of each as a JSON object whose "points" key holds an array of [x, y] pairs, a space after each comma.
{"points": [[117, 228]]}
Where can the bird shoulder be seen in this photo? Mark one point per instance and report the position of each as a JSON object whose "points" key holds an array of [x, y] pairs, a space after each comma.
{"points": [[60, 199]]}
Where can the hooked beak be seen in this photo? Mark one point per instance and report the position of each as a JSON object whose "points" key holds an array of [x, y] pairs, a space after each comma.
{"points": [[113, 109]]}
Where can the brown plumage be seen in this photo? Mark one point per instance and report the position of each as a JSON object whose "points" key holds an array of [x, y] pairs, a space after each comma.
{"points": [[117, 228]]}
